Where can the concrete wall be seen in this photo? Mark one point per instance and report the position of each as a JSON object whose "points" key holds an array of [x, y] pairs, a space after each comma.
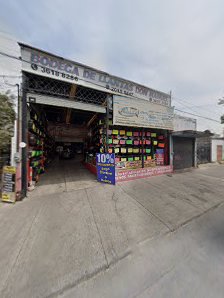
{"points": [[184, 123], [12, 69], [215, 143]]}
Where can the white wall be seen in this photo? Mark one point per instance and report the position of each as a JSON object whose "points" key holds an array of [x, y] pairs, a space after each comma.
{"points": [[11, 69], [184, 123], [216, 142]]}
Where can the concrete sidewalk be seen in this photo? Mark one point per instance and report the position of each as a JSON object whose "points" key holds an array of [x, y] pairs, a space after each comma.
{"points": [[51, 243]]}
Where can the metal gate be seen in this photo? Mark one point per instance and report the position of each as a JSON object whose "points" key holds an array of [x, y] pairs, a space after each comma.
{"points": [[203, 154], [204, 149], [183, 149], [219, 152]]}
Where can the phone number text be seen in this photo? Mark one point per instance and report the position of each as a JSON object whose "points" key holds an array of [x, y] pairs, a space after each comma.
{"points": [[54, 72]]}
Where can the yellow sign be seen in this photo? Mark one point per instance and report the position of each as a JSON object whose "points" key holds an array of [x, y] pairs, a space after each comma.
{"points": [[9, 184]]}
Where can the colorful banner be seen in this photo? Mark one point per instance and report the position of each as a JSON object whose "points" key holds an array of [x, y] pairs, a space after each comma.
{"points": [[126, 175]]}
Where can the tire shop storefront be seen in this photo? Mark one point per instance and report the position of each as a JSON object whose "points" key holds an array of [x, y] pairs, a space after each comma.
{"points": [[71, 111]]}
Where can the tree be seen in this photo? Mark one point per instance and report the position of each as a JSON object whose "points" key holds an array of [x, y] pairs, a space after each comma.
{"points": [[7, 117], [222, 119], [221, 102]]}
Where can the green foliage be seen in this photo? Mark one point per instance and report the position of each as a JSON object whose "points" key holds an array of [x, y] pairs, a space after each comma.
{"points": [[7, 117], [222, 119]]}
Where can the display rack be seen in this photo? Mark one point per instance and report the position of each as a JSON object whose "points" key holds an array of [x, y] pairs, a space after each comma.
{"points": [[40, 145], [131, 145]]}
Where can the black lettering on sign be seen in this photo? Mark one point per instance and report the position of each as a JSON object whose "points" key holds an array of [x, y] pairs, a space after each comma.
{"points": [[88, 74], [141, 90]]}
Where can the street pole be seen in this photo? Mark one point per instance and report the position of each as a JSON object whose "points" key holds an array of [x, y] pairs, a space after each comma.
{"points": [[24, 137], [107, 122], [143, 148], [18, 119]]}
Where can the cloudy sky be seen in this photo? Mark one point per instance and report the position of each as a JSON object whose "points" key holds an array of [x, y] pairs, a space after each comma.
{"points": [[164, 44]]}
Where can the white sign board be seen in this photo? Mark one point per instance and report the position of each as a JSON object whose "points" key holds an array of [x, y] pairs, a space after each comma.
{"points": [[140, 113], [184, 123], [47, 65]]}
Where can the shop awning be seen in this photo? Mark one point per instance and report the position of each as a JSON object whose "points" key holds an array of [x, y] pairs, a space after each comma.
{"points": [[66, 103], [190, 134]]}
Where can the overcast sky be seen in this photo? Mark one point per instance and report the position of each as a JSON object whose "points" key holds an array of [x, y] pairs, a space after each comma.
{"points": [[164, 44]]}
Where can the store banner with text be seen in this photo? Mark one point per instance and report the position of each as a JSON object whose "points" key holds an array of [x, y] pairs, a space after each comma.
{"points": [[140, 113], [8, 184], [51, 66], [105, 165]]}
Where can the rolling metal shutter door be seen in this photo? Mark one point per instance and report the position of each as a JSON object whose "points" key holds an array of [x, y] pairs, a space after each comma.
{"points": [[183, 149], [61, 102]]}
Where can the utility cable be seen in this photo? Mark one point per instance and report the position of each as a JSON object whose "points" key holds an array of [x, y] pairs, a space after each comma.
{"points": [[10, 76], [200, 116], [190, 108]]}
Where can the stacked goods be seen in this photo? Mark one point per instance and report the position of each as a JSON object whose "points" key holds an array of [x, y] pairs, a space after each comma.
{"points": [[36, 153], [130, 145], [40, 145], [99, 135]]}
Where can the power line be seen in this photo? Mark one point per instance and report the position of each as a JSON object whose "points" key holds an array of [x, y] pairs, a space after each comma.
{"points": [[11, 56], [10, 76], [190, 108], [184, 105], [200, 116], [8, 84]]}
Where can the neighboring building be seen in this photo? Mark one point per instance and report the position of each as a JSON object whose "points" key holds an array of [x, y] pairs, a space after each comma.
{"points": [[191, 147], [182, 123], [217, 149], [184, 142], [204, 147]]}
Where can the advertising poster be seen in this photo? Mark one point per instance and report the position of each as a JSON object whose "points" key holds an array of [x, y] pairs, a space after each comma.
{"points": [[105, 165], [8, 184], [141, 113], [160, 157]]}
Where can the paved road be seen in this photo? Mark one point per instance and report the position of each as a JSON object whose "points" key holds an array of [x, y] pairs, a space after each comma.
{"points": [[186, 263], [155, 237]]}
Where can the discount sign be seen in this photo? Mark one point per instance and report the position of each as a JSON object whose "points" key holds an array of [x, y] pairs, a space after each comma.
{"points": [[105, 164]]}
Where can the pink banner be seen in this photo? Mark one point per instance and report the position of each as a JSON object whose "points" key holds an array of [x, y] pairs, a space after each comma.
{"points": [[126, 175]]}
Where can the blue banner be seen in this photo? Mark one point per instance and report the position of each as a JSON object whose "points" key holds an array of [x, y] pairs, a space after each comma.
{"points": [[105, 164]]}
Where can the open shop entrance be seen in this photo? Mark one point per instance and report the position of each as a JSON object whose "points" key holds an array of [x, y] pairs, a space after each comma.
{"points": [[60, 141]]}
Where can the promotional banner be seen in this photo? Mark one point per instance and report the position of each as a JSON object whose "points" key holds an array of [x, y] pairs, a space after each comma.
{"points": [[105, 165], [160, 157], [141, 113], [127, 175], [44, 64], [8, 184]]}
